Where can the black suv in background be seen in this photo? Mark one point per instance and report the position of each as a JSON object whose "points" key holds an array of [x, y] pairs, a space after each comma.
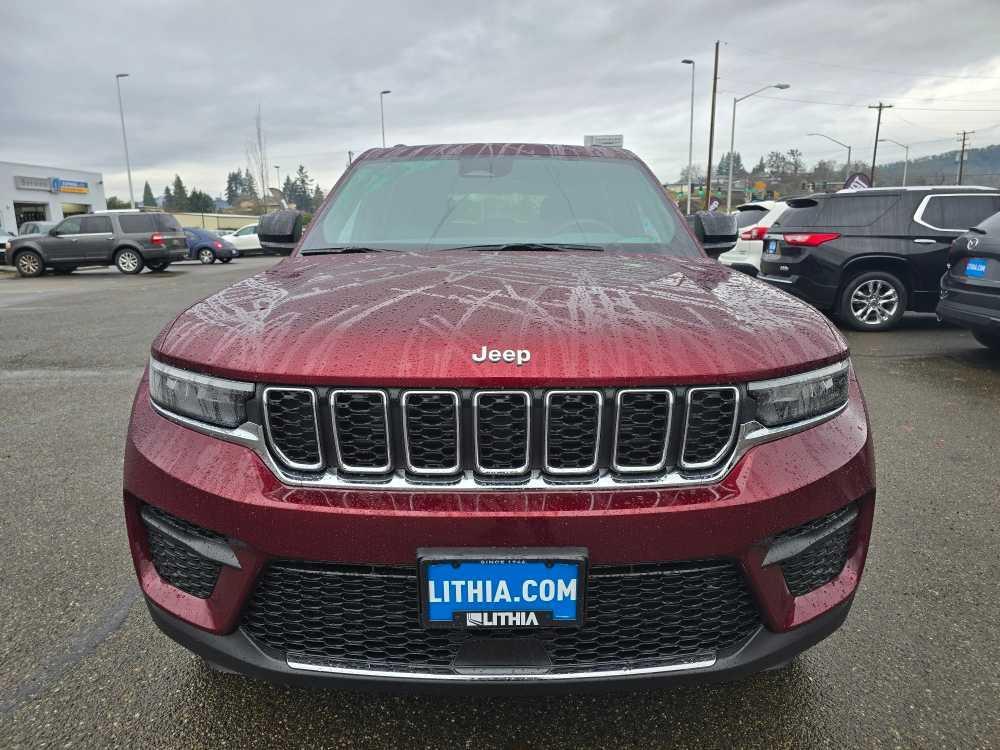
{"points": [[870, 255], [970, 291], [130, 240]]}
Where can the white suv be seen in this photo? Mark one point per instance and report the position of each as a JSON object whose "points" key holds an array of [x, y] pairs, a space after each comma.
{"points": [[753, 221]]}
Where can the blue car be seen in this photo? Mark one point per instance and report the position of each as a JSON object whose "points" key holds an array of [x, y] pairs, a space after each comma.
{"points": [[206, 246]]}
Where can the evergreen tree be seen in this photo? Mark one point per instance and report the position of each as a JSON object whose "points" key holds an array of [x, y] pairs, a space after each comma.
{"points": [[168, 199], [288, 189], [317, 198], [115, 203], [148, 199], [302, 189], [180, 194], [234, 187], [249, 186], [738, 169], [200, 202]]}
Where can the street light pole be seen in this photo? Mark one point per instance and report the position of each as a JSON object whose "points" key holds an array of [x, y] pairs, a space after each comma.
{"points": [[277, 176], [847, 168], [121, 113], [906, 155], [690, 136], [381, 109], [732, 137]]}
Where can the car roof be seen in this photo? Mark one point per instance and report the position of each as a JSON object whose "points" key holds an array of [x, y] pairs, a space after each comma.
{"points": [[918, 188], [457, 150]]}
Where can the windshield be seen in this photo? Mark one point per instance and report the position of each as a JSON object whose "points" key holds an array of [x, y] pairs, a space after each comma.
{"points": [[419, 204]]}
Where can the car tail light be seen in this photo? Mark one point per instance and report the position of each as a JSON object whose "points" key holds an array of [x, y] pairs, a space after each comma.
{"points": [[810, 239], [156, 238], [218, 245], [753, 233]]}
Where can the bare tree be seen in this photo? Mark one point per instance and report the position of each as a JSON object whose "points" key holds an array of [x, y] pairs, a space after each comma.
{"points": [[257, 162]]}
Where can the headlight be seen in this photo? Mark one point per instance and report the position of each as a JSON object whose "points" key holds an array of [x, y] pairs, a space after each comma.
{"points": [[214, 400], [785, 400]]}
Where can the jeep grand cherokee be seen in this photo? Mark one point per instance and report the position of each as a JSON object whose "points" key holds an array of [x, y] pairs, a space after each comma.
{"points": [[499, 423]]}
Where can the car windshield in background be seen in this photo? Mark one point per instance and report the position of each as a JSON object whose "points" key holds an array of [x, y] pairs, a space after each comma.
{"points": [[421, 204]]}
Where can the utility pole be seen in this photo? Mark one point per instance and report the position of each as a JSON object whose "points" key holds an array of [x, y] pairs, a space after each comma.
{"points": [[878, 125], [961, 157], [121, 113], [711, 129]]}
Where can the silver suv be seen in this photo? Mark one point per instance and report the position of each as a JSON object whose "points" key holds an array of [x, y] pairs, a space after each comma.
{"points": [[129, 240]]}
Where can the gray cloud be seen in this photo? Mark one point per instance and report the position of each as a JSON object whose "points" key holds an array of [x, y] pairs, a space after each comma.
{"points": [[470, 71]]}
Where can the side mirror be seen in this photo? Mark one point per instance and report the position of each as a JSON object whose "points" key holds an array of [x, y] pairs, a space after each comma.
{"points": [[280, 231], [717, 232], [54, 232]]}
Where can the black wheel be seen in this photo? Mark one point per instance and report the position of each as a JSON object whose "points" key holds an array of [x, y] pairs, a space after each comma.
{"points": [[64, 269], [206, 255], [29, 263], [873, 301], [225, 260], [159, 266], [128, 260], [989, 340]]}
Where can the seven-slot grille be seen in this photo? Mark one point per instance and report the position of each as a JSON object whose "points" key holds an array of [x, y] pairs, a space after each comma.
{"points": [[503, 435]]}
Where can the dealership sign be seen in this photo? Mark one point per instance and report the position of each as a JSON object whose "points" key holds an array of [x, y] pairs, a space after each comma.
{"points": [[611, 141], [50, 184]]}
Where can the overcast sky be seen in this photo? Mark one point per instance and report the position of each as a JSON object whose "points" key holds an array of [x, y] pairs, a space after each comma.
{"points": [[464, 70]]}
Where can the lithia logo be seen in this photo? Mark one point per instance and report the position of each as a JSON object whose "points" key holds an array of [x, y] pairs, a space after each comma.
{"points": [[500, 619], [515, 356]]}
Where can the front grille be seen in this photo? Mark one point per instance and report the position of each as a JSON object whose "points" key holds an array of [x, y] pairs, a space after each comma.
{"points": [[711, 425], [572, 431], [516, 437], [430, 423], [643, 429], [823, 561], [361, 431], [502, 426], [368, 617], [290, 415], [175, 563]]}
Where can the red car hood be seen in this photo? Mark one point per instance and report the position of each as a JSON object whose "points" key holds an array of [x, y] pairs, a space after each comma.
{"points": [[417, 318]]}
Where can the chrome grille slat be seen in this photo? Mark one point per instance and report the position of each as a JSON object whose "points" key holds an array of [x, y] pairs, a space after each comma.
{"points": [[432, 432], [360, 421], [292, 426], [572, 431], [502, 422], [642, 429], [711, 421]]}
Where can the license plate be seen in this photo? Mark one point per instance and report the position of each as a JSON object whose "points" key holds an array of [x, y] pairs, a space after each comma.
{"points": [[975, 267], [502, 588], [771, 247]]}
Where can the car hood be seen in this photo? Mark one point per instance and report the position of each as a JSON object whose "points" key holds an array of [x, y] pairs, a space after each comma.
{"points": [[417, 318]]}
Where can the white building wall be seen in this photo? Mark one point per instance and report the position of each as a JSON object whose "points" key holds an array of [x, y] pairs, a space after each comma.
{"points": [[9, 193]]}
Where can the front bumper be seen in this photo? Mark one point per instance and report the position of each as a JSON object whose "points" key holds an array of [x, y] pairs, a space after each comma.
{"points": [[227, 488]]}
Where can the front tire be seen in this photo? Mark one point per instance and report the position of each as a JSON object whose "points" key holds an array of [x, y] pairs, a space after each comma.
{"points": [[873, 301], [129, 261], [206, 256], [29, 264], [989, 340]]}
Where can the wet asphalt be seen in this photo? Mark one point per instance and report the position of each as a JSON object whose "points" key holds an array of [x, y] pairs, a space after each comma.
{"points": [[916, 665]]}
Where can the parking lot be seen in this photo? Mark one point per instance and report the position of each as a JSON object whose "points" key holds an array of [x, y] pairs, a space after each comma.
{"points": [[916, 665]]}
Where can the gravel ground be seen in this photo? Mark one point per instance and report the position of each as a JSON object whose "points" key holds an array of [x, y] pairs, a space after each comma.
{"points": [[916, 665]]}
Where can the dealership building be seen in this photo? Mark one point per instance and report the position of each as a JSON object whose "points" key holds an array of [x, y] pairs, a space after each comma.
{"points": [[29, 192]]}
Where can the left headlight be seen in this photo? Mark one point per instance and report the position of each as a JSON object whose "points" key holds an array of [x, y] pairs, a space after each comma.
{"points": [[216, 401], [797, 397]]}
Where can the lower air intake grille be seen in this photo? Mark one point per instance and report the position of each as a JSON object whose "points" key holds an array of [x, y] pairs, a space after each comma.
{"points": [[572, 428], [368, 617], [711, 426], [292, 428], [177, 564], [431, 431], [823, 561]]}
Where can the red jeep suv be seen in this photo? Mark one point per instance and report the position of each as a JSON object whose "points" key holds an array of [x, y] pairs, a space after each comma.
{"points": [[498, 423]]}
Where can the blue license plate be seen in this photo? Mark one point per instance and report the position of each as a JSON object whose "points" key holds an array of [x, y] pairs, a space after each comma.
{"points": [[771, 247], [975, 267], [502, 588]]}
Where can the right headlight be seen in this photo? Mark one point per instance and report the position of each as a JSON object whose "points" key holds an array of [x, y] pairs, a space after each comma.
{"points": [[216, 401], [794, 398]]}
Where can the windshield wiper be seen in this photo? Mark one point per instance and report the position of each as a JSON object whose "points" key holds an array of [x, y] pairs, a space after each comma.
{"points": [[344, 249], [551, 246]]}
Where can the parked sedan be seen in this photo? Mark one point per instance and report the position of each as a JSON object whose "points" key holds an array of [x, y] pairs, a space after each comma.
{"points": [[207, 246], [970, 290], [245, 238]]}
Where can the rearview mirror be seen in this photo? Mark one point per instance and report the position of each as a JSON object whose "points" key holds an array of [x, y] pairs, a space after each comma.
{"points": [[717, 232], [280, 231]]}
